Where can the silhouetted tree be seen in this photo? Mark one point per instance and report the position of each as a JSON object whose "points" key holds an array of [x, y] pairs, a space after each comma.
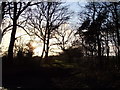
{"points": [[115, 16], [49, 16], [15, 9], [2, 6], [72, 52], [96, 16], [63, 37]]}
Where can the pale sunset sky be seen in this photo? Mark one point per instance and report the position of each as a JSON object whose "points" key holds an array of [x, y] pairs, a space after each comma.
{"points": [[38, 46], [74, 6]]}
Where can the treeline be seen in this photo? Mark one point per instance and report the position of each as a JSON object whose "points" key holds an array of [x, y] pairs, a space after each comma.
{"points": [[100, 29], [98, 32]]}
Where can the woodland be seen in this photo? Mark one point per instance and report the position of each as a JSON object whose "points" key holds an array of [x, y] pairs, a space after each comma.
{"points": [[90, 51]]}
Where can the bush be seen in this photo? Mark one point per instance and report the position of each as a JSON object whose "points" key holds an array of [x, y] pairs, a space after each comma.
{"points": [[71, 53]]}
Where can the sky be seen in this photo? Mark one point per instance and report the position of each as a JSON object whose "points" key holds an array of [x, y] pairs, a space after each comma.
{"points": [[74, 6], [6, 39], [74, 20]]}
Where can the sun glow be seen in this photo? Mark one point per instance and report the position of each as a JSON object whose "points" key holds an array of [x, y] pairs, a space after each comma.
{"points": [[37, 51], [37, 48], [34, 44]]}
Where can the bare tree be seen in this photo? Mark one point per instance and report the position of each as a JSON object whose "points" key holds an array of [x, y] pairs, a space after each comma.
{"points": [[115, 14], [2, 13], [64, 37], [14, 10], [45, 18]]}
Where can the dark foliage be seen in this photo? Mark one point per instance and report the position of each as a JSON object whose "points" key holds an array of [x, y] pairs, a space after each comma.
{"points": [[27, 73], [71, 53]]}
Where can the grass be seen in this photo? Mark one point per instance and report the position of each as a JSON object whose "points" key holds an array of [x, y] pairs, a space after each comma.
{"points": [[28, 73]]}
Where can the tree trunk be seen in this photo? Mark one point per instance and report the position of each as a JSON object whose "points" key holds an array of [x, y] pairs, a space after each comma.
{"points": [[99, 46], [47, 46], [107, 47], [100, 64], [2, 8], [48, 30], [12, 40], [43, 46]]}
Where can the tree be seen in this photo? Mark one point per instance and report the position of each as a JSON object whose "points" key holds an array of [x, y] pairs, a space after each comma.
{"points": [[14, 10], [115, 14], [2, 6], [111, 27], [48, 16], [64, 37], [95, 18]]}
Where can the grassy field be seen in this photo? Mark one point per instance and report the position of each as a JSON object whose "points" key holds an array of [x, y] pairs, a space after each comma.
{"points": [[81, 73]]}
